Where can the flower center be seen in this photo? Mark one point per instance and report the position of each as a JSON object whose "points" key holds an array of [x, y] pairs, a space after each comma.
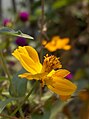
{"points": [[50, 62]]}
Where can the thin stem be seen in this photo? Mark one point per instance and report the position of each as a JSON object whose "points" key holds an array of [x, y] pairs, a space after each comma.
{"points": [[6, 70], [21, 104], [41, 28], [4, 66], [14, 6], [41, 34], [42, 16], [21, 113]]}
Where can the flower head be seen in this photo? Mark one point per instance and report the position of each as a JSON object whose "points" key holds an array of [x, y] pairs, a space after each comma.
{"points": [[24, 16], [57, 43], [54, 79], [7, 22], [21, 41], [50, 62]]}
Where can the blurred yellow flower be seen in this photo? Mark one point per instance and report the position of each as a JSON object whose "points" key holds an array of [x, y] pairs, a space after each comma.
{"points": [[57, 43], [54, 79]]}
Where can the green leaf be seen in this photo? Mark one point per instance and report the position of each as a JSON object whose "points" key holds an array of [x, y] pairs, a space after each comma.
{"points": [[4, 103], [18, 86], [62, 3], [9, 31], [59, 4]]}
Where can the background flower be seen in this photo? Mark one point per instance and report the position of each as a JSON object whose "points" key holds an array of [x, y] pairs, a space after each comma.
{"points": [[69, 76], [7, 22], [24, 16], [57, 43], [21, 41]]}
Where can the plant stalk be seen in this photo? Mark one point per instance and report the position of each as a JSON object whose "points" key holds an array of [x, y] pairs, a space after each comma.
{"points": [[21, 104]]}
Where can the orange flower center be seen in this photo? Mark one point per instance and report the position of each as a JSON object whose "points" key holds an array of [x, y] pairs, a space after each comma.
{"points": [[50, 62]]}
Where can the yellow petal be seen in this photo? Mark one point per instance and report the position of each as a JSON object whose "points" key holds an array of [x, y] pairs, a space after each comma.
{"points": [[44, 42], [50, 47], [29, 62], [61, 73], [32, 53], [31, 77], [28, 58], [67, 47], [16, 54], [62, 43], [27, 67], [51, 73], [65, 40], [61, 86], [55, 39]]}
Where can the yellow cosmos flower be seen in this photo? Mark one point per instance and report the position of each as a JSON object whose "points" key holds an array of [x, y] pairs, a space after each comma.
{"points": [[49, 73], [57, 43]]}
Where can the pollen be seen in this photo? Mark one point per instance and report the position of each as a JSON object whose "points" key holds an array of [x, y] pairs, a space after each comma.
{"points": [[51, 62]]}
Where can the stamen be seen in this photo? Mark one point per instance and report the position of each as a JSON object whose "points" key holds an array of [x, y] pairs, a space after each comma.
{"points": [[51, 62]]}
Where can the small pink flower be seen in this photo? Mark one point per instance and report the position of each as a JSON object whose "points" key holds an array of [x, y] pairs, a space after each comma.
{"points": [[24, 16], [69, 76], [6, 21]]}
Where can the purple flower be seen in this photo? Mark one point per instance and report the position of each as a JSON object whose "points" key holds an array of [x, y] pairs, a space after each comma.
{"points": [[6, 21], [69, 76], [24, 16], [21, 41]]}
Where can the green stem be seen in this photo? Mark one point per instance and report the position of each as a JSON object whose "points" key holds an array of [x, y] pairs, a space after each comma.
{"points": [[21, 113], [21, 104], [6, 70], [42, 16], [41, 34], [4, 66]]}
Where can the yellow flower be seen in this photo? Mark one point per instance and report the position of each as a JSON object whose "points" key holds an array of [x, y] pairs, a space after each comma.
{"points": [[57, 43], [49, 73]]}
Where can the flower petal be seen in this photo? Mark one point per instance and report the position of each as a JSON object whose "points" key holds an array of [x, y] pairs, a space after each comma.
{"points": [[32, 53], [30, 76], [61, 73], [29, 59], [65, 41], [50, 47], [29, 62], [67, 47], [61, 86], [16, 54]]}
